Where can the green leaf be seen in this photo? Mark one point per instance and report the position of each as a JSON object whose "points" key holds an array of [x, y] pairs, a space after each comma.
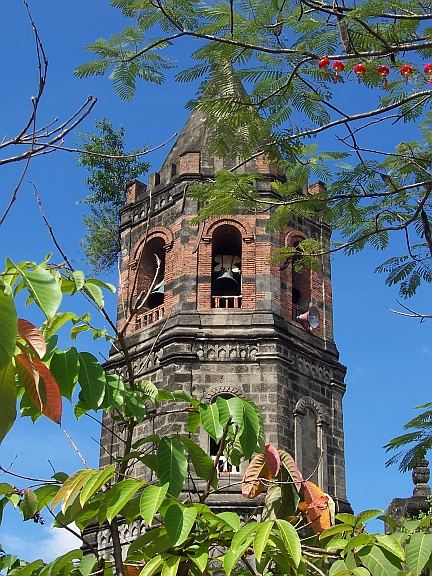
{"points": [[171, 565], [50, 327], [210, 421], [291, 540], [64, 368], [359, 541], [45, 494], [71, 488], [87, 563], [117, 497], [79, 279], [179, 522], [151, 499], [94, 292], [65, 561], [8, 394], [95, 483], [391, 544], [44, 288], [193, 422], [200, 558], [9, 329], [152, 566], [418, 551], [231, 518], [261, 538], [29, 504], [202, 462], [233, 554], [28, 569], [379, 562], [92, 379], [366, 515], [171, 464]]}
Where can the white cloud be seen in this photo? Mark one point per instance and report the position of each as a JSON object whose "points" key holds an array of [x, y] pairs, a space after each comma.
{"points": [[53, 543]]}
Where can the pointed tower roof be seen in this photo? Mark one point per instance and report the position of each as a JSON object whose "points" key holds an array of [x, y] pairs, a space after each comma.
{"points": [[196, 135]]}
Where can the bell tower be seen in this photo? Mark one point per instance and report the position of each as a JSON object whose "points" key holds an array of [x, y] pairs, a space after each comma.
{"points": [[222, 320]]}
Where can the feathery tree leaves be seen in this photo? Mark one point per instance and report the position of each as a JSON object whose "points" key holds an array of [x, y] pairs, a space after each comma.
{"points": [[109, 169]]}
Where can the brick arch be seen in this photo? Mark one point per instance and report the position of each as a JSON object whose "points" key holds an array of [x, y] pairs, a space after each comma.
{"points": [[244, 229], [293, 236], [219, 390], [160, 232]]}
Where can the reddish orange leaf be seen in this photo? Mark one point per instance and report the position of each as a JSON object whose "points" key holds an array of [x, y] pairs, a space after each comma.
{"points": [[316, 507], [30, 378], [258, 468], [33, 336], [49, 393], [290, 466], [272, 458]]}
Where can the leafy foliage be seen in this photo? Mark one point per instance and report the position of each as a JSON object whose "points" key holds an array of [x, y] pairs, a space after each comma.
{"points": [[109, 170]]}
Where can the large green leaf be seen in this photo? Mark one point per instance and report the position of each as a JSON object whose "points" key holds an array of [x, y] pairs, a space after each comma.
{"points": [[95, 483], [44, 288], [261, 538], [64, 367], [380, 562], [202, 462], [152, 566], [251, 428], [9, 329], [29, 504], [179, 522], [418, 551], [233, 555], [117, 497], [151, 499], [171, 464], [8, 394], [170, 565], [92, 380], [71, 488], [210, 420], [291, 540], [390, 543]]}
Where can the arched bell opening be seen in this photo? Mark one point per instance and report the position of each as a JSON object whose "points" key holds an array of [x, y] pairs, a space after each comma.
{"points": [[151, 274], [226, 267], [300, 285]]}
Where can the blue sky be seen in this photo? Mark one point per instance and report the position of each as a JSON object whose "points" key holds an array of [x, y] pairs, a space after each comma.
{"points": [[387, 355]]}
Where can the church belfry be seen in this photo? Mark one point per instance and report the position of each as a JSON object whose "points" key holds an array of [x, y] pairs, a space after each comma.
{"points": [[222, 320]]}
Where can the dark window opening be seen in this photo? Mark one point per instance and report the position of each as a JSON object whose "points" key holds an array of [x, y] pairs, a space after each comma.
{"points": [[224, 468], [226, 267], [173, 169], [300, 285], [151, 275]]}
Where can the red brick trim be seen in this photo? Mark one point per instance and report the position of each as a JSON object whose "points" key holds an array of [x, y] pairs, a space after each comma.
{"points": [[243, 228], [161, 232]]}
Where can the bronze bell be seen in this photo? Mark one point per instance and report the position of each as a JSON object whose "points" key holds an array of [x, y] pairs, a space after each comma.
{"points": [[225, 284]]}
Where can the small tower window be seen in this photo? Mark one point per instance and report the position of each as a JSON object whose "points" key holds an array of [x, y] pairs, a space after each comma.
{"points": [[151, 275], [226, 267], [300, 286], [224, 467]]}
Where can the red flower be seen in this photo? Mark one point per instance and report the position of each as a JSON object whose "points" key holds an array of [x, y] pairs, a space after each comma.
{"points": [[383, 71], [428, 70], [359, 70], [406, 71], [324, 62]]}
